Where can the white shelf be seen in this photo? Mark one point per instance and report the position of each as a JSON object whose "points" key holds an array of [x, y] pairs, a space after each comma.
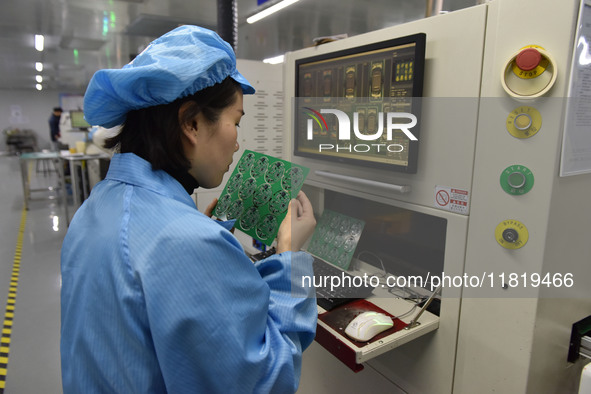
{"points": [[353, 354]]}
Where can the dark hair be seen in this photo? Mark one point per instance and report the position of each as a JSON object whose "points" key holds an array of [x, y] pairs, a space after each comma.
{"points": [[155, 133], [57, 109]]}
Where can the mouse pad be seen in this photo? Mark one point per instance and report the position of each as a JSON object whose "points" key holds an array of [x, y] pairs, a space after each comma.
{"points": [[258, 193], [335, 238], [341, 316]]}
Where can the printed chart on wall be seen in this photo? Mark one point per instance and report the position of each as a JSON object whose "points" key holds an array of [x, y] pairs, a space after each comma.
{"points": [[258, 193], [576, 144]]}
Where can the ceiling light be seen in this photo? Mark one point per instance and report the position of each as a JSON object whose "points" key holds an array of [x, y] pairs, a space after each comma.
{"points": [[39, 42], [268, 11], [56, 223], [39, 87], [39, 66], [274, 60], [39, 78]]}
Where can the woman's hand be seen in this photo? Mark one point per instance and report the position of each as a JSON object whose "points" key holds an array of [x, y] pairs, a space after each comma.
{"points": [[298, 225], [211, 207], [209, 211]]}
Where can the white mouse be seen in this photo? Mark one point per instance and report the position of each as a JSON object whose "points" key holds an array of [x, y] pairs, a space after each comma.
{"points": [[367, 325]]}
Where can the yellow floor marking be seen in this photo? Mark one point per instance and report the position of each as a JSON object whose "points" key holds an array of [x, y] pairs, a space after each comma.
{"points": [[10, 302]]}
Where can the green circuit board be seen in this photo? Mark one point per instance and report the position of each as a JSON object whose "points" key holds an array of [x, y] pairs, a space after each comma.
{"points": [[335, 238], [258, 193]]}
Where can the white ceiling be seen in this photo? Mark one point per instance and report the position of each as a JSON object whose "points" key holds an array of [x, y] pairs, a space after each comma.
{"points": [[82, 36]]}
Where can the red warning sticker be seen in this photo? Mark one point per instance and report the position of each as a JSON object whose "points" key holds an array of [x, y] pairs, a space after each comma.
{"points": [[452, 199]]}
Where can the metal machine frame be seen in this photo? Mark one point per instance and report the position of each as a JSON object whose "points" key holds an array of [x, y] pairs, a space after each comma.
{"points": [[512, 337]]}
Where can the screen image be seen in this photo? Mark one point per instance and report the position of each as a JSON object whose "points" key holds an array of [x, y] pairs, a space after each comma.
{"points": [[77, 120], [362, 105]]}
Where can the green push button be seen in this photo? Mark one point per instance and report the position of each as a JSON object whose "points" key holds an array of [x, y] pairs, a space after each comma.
{"points": [[517, 179]]}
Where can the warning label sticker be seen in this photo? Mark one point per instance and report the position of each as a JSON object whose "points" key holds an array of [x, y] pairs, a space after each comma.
{"points": [[451, 199]]}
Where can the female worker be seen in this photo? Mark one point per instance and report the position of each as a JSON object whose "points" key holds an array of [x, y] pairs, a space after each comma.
{"points": [[156, 296]]}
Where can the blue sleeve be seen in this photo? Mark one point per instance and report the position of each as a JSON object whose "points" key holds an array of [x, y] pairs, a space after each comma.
{"points": [[221, 324]]}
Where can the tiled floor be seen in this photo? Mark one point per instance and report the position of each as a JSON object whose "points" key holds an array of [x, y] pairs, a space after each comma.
{"points": [[33, 360]]}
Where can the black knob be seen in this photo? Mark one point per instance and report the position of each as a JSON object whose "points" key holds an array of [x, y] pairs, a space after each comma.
{"points": [[510, 235]]}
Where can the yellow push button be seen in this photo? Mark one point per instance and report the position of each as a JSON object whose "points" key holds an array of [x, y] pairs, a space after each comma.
{"points": [[522, 121], [511, 234]]}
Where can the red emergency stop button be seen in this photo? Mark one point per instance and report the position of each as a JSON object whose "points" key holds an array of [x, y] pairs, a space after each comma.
{"points": [[529, 73], [528, 59]]}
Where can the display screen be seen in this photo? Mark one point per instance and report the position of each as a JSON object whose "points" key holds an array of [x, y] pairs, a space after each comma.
{"points": [[77, 120], [362, 105]]}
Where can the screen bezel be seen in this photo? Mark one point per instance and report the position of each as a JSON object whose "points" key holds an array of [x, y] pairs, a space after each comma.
{"points": [[419, 39]]}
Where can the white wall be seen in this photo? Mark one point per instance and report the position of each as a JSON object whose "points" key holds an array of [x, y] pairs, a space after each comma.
{"points": [[33, 109]]}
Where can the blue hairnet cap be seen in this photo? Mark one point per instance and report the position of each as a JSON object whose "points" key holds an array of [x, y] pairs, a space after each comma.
{"points": [[179, 63]]}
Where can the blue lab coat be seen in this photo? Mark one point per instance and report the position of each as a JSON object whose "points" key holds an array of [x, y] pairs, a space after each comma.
{"points": [[157, 297]]}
